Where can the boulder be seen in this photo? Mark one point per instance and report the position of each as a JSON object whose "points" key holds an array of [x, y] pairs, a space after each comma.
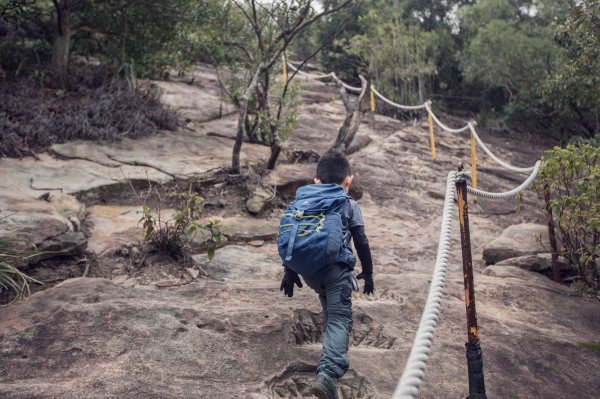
{"points": [[515, 241], [249, 229], [42, 228], [536, 263], [288, 178], [240, 263], [258, 201]]}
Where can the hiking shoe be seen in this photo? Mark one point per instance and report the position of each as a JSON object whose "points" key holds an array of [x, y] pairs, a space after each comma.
{"points": [[324, 387]]}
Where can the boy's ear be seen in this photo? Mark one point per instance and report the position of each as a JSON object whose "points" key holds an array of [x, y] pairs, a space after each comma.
{"points": [[317, 180], [347, 182]]}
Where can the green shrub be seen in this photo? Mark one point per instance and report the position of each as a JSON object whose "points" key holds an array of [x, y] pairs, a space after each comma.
{"points": [[572, 177], [33, 118], [174, 235]]}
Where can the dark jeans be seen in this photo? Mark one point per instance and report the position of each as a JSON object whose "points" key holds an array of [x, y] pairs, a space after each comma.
{"points": [[334, 287]]}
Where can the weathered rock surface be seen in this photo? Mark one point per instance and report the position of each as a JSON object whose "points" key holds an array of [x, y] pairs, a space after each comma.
{"points": [[235, 336], [112, 226], [247, 228], [535, 263], [173, 154], [516, 241], [259, 199], [242, 263], [41, 228], [197, 97]]}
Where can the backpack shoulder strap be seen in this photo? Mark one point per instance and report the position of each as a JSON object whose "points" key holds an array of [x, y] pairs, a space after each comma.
{"points": [[297, 218]]}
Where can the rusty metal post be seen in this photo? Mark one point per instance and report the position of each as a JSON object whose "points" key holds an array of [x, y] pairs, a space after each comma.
{"points": [[473, 347]]}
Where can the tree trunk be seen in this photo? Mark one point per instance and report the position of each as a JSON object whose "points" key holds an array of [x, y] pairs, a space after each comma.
{"points": [[552, 236], [62, 40], [421, 85], [352, 122], [241, 127], [275, 149], [264, 110]]}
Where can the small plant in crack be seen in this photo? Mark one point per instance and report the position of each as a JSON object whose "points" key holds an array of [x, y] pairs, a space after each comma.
{"points": [[14, 284], [173, 234]]}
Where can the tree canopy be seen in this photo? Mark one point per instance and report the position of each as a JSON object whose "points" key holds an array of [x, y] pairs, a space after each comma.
{"points": [[525, 65]]}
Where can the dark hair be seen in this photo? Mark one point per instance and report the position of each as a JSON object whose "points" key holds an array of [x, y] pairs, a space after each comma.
{"points": [[333, 168]]}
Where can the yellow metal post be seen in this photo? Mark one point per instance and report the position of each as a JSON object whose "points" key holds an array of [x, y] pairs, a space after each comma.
{"points": [[372, 101], [431, 136]]}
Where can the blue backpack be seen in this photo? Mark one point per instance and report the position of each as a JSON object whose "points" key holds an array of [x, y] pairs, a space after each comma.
{"points": [[311, 231]]}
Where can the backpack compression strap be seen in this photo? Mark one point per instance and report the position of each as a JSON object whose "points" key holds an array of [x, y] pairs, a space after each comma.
{"points": [[297, 218]]}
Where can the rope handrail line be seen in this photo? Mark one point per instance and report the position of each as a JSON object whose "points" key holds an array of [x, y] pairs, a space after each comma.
{"points": [[310, 75], [414, 371], [394, 104], [440, 124], [427, 105], [508, 194], [345, 85], [493, 156]]}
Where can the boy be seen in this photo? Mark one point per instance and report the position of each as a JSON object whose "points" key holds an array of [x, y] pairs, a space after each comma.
{"points": [[334, 283]]}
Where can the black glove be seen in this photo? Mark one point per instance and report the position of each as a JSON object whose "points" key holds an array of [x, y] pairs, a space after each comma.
{"points": [[369, 284], [290, 278]]}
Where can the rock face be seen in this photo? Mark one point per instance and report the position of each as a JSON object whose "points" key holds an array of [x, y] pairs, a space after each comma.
{"points": [[516, 241], [260, 198], [247, 229], [41, 228], [240, 263], [535, 263], [232, 334]]}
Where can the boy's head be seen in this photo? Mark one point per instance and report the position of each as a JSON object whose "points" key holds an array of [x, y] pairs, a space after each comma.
{"points": [[334, 168]]}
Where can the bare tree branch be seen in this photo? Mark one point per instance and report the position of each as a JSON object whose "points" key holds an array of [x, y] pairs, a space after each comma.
{"points": [[352, 122]]}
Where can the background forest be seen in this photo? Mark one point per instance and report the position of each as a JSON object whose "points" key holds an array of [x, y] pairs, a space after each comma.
{"points": [[531, 66]]}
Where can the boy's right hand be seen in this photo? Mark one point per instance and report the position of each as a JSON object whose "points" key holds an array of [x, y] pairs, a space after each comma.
{"points": [[369, 284], [290, 278]]}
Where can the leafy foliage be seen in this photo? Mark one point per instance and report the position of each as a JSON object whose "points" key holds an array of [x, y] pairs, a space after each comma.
{"points": [[139, 37], [572, 177], [573, 89], [400, 57], [174, 235]]}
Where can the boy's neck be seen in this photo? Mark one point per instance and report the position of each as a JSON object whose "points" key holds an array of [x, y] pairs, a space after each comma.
{"points": [[345, 184]]}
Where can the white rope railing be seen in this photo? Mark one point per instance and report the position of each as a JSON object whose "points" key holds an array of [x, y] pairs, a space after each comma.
{"points": [[427, 105], [346, 86], [414, 371], [440, 124], [393, 104], [310, 75], [493, 156], [508, 194]]}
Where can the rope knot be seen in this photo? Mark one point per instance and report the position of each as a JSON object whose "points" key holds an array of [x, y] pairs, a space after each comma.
{"points": [[463, 176]]}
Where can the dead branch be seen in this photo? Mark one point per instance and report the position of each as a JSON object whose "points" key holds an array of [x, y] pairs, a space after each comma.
{"points": [[353, 118]]}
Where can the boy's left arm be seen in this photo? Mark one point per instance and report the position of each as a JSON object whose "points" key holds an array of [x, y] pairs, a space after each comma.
{"points": [[361, 244]]}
